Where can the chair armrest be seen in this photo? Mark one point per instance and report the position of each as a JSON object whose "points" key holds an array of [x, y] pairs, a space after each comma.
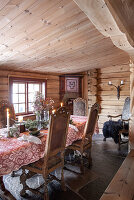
{"points": [[111, 116], [125, 120]]}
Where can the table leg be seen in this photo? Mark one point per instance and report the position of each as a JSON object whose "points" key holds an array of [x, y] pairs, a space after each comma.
{"points": [[2, 184], [5, 194]]}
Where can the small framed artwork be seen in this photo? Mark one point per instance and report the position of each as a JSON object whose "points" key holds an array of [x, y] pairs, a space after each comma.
{"points": [[72, 84]]}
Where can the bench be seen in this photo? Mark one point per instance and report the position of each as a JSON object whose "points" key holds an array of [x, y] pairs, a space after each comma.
{"points": [[122, 185]]}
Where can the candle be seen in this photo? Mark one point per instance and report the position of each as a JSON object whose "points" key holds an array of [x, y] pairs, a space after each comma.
{"points": [[7, 119], [122, 82], [109, 83], [53, 111], [61, 104], [20, 119]]}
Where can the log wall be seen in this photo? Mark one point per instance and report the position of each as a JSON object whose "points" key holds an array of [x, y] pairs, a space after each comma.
{"points": [[92, 87], [106, 95], [52, 84]]}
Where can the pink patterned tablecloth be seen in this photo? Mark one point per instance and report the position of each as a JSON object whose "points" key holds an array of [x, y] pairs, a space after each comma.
{"points": [[15, 153]]}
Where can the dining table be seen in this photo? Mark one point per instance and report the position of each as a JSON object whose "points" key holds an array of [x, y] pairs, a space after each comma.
{"points": [[15, 153]]}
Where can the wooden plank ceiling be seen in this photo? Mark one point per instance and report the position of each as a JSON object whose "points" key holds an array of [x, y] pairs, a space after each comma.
{"points": [[52, 36]]}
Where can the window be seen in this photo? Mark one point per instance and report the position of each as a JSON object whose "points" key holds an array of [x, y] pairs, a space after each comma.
{"points": [[22, 92]]}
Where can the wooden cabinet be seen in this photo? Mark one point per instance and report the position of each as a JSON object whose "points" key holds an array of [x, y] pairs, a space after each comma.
{"points": [[70, 89]]}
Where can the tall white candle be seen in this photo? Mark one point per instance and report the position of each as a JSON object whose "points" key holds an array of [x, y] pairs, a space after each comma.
{"points": [[7, 119], [53, 111], [61, 104], [122, 82], [109, 83]]}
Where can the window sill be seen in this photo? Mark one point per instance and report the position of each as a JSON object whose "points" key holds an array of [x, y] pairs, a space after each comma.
{"points": [[27, 116]]}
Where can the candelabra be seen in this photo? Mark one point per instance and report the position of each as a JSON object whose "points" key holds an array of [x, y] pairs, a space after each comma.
{"points": [[117, 87]]}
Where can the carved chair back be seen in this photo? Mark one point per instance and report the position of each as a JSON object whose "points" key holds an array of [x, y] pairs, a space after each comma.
{"points": [[4, 105], [57, 134], [126, 109], [79, 107], [91, 122]]}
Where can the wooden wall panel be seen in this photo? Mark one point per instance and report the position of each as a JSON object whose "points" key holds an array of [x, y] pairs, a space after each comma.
{"points": [[107, 95], [99, 90], [92, 87], [52, 84]]}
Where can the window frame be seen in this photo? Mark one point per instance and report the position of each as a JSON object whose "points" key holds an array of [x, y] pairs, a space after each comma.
{"points": [[25, 81]]}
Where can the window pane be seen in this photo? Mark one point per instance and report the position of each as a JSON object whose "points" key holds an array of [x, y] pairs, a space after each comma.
{"points": [[24, 92], [30, 87], [30, 97], [15, 87], [21, 108], [36, 88], [21, 87], [15, 98], [43, 89], [30, 107], [16, 108], [21, 98]]}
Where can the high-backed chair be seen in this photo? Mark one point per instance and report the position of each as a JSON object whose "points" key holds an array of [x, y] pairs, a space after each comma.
{"points": [[86, 142], [121, 126], [79, 107], [54, 152], [4, 105]]}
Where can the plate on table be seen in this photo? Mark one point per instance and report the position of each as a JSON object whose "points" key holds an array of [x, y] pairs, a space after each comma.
{"points": [[41, 134]]}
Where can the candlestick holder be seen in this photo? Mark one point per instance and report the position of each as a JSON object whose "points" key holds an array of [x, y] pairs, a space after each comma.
{"points": [[8, 133], [117, 87]]}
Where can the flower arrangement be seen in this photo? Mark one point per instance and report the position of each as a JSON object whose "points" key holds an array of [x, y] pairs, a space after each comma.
{"points": [[48, 104], [41, 104]]}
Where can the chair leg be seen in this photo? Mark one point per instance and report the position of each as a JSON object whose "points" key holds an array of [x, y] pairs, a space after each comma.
{"points": [[62, 180], [89, 159], [13, 174], [119, 142], [46, 195], [104, 139], [23, 178], [81, 163]]}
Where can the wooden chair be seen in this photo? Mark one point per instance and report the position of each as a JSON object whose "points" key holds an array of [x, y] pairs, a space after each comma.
{"points": [[54, 153], [79, 107], [86, 142], [125, 117], [4, 104]]}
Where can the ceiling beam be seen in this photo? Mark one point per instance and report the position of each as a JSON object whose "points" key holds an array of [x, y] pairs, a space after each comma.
{"points": [[113, 19]]}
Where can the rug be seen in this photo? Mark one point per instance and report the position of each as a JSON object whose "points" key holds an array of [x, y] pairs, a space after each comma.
{"points": [[73, 180]]}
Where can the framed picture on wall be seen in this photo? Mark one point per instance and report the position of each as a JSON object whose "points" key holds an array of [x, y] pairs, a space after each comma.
{"points": [[71, 84]]}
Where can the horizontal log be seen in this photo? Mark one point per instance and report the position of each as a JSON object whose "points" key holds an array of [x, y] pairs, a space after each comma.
{"points": [[114, 75], [3, 87], [116, 69], [111, 98], [113, 93]]}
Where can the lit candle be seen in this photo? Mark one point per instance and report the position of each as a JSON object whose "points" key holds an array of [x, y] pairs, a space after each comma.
{"points": [[20, 119], [109, 83], [122, 82], [61, 104], [53, 111], [7, 119]]}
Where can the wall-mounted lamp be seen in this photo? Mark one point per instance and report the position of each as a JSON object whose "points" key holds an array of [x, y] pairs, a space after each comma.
{"points": [[117, 87]]}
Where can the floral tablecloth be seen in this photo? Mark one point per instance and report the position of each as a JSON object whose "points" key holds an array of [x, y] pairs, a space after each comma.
{"points": [[15, 153]]}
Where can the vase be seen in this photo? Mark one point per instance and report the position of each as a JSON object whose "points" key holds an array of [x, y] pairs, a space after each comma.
{"points": [[46, 115], [38, 116], [38, 119]]}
